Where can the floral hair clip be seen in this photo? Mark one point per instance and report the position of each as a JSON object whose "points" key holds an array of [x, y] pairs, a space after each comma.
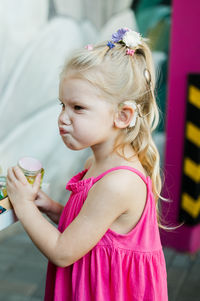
{"points": [[127, 37], [89, 47], [130, 51], [110, 44], [118, 36]]}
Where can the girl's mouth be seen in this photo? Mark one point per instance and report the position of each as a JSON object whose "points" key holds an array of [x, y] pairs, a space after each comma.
{"points": [[63, 132]]}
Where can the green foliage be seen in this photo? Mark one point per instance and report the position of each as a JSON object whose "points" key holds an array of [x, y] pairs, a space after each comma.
{"points": [[144, 4], [149, 18]]}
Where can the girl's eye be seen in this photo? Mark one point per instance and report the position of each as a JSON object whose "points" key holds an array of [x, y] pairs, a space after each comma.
{"points": [[78, 108]]}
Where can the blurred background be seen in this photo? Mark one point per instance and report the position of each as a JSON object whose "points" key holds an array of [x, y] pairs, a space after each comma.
{"points": [[35, 38]]}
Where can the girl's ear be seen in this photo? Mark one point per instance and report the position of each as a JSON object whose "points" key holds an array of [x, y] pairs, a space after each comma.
{"points": [[123, 117]]}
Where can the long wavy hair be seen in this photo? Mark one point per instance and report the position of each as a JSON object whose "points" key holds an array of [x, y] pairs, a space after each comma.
{"points": [[122, 77]]}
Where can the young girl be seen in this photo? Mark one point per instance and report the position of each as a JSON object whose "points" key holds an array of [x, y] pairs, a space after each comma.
{"points": [[107, 245]]}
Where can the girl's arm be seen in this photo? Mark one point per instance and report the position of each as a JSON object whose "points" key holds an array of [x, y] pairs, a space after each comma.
{"points": [[106, 201]]}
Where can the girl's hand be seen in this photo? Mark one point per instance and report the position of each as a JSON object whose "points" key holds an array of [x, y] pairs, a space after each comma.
{"points": [[48, 206], [43, 202], [19, 189]]}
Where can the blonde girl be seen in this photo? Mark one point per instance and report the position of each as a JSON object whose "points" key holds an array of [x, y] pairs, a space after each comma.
{"points": [[107, 246]]}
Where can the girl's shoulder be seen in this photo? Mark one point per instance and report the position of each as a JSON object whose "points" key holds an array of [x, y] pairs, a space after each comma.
{"points": [[128, 178], [125, 178], [125, 190], [123, 185]]}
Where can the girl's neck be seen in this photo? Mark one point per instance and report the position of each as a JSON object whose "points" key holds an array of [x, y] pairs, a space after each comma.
{"points": [[107, 158]]}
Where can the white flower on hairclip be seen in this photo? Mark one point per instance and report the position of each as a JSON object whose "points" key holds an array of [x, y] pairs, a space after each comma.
{"points": [[132, 39], [134, 106]]}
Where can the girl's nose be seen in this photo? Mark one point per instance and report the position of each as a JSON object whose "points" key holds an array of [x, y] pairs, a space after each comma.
{"points": [[64, 119]]}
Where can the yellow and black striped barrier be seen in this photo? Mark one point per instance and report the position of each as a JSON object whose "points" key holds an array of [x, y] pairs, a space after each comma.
{"points": [[190, 187]]}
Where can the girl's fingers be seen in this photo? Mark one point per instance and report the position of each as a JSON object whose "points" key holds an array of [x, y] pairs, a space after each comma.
{"points": [[11, 176], [7, 182], [19, 175], [39, 202], [36, 184], [41, 194]]}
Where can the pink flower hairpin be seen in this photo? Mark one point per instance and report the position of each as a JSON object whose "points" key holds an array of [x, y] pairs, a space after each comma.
{"points": [[89, 47], [130, 52]]}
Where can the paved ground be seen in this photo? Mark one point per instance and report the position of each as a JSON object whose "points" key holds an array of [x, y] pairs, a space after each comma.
{"points": [[23, 270], [183, 272]]}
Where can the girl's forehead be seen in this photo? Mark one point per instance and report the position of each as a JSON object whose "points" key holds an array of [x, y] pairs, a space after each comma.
{"points": [[73, 84], [73, 87]]}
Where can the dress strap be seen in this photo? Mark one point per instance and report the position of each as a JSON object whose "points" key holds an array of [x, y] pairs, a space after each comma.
{"points": [[145, 179]]}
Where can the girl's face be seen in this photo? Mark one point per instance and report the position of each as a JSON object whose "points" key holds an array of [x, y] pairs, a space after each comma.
{"points": [[86, 118]]}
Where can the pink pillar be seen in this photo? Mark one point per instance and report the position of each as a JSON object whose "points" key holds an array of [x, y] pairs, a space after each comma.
{"points": [[184, 59]]}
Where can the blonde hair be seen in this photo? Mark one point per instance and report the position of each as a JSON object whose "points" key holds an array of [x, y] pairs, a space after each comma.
{"points": [[121, 78]]}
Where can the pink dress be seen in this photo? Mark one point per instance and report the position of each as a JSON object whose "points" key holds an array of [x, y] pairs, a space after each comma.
{"points": [[121, 267]]}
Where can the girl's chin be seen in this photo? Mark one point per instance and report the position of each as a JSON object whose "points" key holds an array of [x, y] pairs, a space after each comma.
{"points": [[72, 146]]}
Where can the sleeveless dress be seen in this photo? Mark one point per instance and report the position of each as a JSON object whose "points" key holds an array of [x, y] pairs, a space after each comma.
{"points": [[121, 267]]}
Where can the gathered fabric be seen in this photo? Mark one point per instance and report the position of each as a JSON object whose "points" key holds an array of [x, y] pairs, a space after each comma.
{"points": [[121, 267]]}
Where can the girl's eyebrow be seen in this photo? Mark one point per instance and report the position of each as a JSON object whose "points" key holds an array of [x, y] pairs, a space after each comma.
{"points": [[74, 101]]}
